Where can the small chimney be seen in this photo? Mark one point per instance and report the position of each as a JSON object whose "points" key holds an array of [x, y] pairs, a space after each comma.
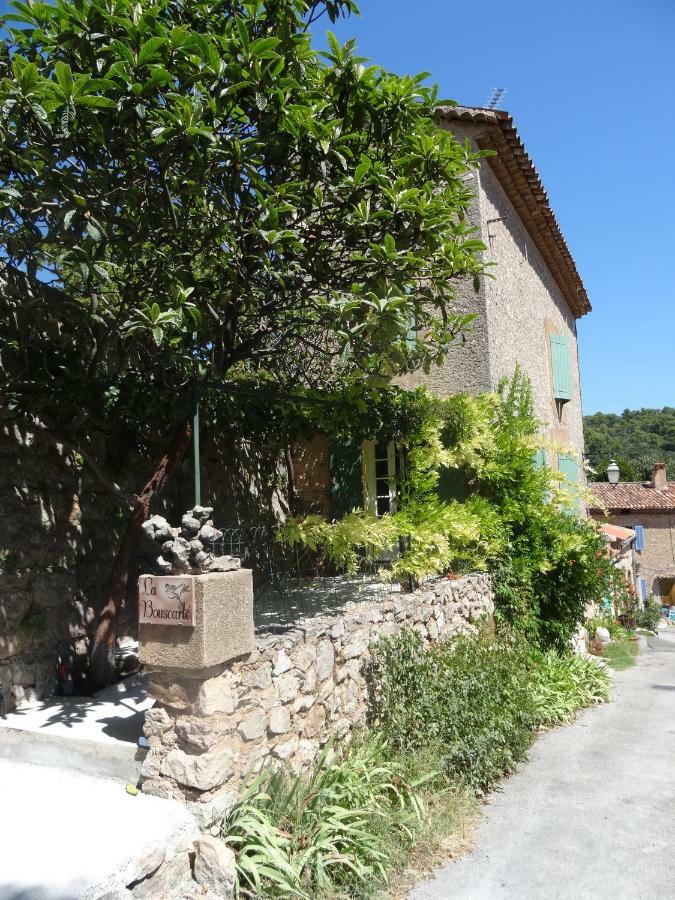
{"points": [[659, 482]]}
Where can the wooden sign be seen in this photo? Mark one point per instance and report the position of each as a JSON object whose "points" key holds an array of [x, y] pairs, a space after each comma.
{"points": [[166, 600]]}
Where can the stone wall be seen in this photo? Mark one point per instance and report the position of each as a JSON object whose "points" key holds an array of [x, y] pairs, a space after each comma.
{"points": [[524, 306], [59, 531], [518, 309], [290, 695]]}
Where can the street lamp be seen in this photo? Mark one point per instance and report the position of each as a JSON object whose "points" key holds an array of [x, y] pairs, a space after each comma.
{"points": [[613, 473]]}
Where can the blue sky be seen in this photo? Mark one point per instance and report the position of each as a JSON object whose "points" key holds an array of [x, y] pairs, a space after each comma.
{"points": [[590, 86]]}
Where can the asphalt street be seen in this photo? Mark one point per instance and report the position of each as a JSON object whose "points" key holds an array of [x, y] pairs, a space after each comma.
{"points": [[592, 813]]}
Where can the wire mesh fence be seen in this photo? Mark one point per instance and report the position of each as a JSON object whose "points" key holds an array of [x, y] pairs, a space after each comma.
{"points": [[293, 582]]}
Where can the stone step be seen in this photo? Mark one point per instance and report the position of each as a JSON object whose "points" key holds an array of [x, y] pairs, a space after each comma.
{"points": [[70, 835], [121, 761], [94, 735]]}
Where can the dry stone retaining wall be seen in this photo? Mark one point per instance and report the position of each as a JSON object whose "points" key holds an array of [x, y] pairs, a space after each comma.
{"points": [[286, 699]]}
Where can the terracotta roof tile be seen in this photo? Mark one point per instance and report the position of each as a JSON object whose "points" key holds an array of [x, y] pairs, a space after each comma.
{"points": [[616, 532], [520, 180], [632, 495]]}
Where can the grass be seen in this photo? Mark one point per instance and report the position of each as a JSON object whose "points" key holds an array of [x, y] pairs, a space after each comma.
{"points": [[621, 654], [446, 833]]}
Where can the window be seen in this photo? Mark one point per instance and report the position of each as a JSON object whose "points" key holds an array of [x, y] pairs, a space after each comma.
{"points": [[644, 594], [639, 537], [381, 465], [561, 368]]}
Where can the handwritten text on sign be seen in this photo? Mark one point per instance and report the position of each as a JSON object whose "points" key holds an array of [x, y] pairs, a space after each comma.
{"points": [[166, 600]]}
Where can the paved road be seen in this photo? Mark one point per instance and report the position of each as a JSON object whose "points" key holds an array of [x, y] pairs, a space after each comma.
{"points": [[592, 815]]}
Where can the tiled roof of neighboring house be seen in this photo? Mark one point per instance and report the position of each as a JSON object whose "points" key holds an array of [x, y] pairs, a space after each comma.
{"points": [[631, 495], [616, 532], [520, 180]]}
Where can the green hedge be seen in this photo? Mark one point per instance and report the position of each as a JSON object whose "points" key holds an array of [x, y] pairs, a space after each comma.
{"points": [[469, 698], [477, 700]]}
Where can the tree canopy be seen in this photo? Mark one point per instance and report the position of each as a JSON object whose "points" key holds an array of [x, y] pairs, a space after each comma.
{"points": [[191, 190], [636, 439]]}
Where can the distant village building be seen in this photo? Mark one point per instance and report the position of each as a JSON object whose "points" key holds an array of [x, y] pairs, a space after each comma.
{"points": [[621, 550], [648, 508], [527, 315]]}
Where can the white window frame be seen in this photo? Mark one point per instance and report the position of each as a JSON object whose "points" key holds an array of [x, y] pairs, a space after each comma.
{"points": [[370, 496]]}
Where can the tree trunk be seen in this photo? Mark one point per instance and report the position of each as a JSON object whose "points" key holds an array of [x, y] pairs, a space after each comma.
{"points": [[101, 661]]}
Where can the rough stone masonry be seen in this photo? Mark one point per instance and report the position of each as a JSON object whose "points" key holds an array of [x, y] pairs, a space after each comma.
{"points": [[285, 699]]}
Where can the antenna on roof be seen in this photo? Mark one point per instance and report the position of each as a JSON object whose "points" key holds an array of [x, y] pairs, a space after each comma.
{"points": [[496, 98]]}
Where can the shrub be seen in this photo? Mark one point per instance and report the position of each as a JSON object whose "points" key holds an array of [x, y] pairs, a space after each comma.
{"points": [[565, 683], [650, 616], [448, 721], [468, 698], [616, 631], [330, 830]]}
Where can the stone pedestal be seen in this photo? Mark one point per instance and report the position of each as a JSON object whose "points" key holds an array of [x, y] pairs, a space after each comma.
{"points": [[223, 628], [191, 748]]}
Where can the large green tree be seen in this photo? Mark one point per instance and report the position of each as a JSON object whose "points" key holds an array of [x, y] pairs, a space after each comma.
{"points": [[637, 439], [189, 191]]}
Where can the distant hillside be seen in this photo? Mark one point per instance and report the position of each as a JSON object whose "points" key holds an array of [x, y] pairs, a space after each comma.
{"points": [[637, 439]]}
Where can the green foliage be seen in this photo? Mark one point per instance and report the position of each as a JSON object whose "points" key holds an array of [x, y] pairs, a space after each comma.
{"points": [[191, 191], [476, 700], [251, 407], [431, 537], [329, 831], [637, 439], [650, 616], [615, 630], [343, 541], [448, 722], [469, 699], [566, 683], [549, 564], [552, 563]]}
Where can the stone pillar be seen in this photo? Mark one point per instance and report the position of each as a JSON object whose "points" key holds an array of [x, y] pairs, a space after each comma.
{"points": [[189, 676]]}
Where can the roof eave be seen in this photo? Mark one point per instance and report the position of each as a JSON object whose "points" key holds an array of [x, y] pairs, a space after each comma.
{"points": [[521, 182]]}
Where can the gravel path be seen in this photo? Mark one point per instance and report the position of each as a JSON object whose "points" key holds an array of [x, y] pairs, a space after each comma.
{"points": [[592, 814]]}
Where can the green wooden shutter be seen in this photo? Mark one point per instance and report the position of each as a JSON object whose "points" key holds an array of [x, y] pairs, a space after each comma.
{"points": [[346, 477], [539, 459], [560, 365], [452, 485], [569, 466]]}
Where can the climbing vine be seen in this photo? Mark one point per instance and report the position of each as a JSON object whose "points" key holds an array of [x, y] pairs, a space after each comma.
{"points": [[520, 521]]}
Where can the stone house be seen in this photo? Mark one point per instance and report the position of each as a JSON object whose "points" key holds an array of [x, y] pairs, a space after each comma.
{"points": [[621, 550], [648, 508], [527, 316]]}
